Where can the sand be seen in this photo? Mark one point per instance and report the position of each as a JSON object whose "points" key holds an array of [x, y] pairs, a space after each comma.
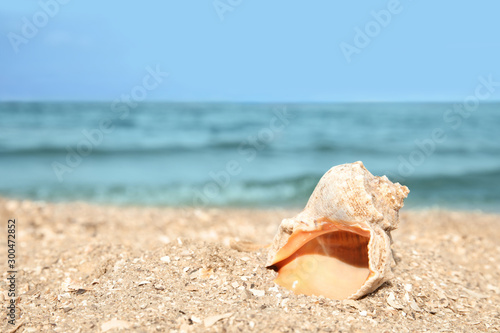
{"points": [[90, 268]]}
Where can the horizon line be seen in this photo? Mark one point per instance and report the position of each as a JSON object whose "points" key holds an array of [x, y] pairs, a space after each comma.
{"points": [[244, 102]]}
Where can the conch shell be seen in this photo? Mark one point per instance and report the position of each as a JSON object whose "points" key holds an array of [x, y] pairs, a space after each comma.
{"points": [[339, 246]]}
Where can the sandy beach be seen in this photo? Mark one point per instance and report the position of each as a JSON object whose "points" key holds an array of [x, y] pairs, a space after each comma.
{"points": [[91, 268]]}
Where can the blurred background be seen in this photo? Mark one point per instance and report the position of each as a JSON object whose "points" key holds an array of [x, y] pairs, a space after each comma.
{"points": [[236, 103]]}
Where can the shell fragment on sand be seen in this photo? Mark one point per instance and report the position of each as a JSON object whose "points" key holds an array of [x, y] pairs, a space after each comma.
{"points": [[339, 245], [209, 321]]}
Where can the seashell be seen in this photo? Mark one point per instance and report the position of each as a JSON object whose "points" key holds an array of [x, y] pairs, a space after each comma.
{"points": [[339, 246]]}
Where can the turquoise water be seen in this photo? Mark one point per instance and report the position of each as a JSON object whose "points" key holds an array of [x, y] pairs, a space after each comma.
{"points": [[256, 155]]}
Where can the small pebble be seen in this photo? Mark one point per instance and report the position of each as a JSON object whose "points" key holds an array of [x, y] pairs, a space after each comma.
{"points": [[258, 293], [165, 259]]}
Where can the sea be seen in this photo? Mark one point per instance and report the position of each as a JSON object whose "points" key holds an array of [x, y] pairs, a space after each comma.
{"points": [[259, 155]]}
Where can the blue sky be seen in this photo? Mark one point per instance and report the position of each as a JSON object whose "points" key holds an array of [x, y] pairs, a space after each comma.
{"points": [[286, 51]]}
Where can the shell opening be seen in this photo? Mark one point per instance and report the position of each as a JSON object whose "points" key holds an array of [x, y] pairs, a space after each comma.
{"points": [[332, 262]]}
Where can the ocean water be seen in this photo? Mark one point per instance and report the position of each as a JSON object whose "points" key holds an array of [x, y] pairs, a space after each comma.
{"points": [[250, 155]]}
